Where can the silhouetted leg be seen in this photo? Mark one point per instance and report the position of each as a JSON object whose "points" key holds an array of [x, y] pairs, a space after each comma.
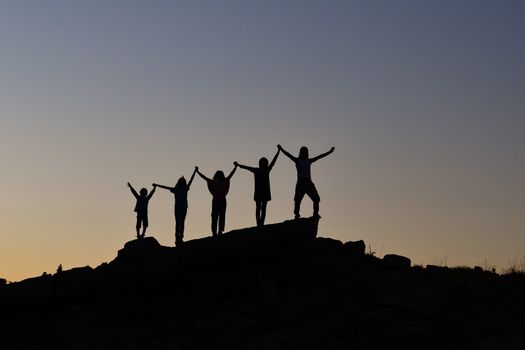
{"points": [[311, 191], [214, 216], [222, 216], [258, 213], [180, 233], [175, 216], [297, 204], [316, 209], [144, 225], [137, 225], [179, 224], [263, 212], [299, 194], [181, 230]]}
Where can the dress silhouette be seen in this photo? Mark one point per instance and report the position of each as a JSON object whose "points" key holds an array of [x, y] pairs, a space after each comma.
{"points": [[219, 187], [304, 180], [180, 192], [141, 208], [262, 194]]}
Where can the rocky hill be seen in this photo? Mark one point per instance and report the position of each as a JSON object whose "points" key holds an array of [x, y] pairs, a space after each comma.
{"points": [[277, 287]]}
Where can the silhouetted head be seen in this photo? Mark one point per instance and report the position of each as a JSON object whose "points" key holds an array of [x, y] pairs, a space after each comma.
{"points": [[181, 182], [219, 176], [303, 152], [263, 163], [143, 192]]}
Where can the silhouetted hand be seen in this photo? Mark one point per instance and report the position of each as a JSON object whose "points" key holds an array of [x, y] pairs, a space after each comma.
{"points": [[129, 185], [196, 168], [279, 147], [235, 163], [154, 185]]}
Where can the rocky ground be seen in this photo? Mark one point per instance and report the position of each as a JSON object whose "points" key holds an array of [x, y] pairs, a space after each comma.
{"points": [[277, 288]]}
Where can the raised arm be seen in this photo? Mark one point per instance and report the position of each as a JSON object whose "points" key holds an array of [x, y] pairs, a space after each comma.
{"points": [[245, 167], [272, 163], [233, 172], [133, 190], [286, 153], [191, 178], [152, 191], [164, 187], [201, 174], [314, 159]]}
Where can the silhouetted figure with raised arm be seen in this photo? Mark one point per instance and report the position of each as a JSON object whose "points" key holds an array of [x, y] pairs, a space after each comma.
{"points": [[218, 187], [304, 180], [262, 194], [141, 208], [180, 191]]}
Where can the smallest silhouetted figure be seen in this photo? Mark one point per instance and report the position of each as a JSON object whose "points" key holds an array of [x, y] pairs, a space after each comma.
{"points": [[219, 187], [304, 180], [180, 192], [141, 208], [262, 194]]}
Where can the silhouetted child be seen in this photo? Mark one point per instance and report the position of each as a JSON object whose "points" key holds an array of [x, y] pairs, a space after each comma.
{"points": [[304, 181], [218, 188], [180, 192], [262, 194], [141, 208]]}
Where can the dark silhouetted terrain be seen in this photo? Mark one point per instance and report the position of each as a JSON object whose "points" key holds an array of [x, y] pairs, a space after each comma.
{"points": [[278, 287]]}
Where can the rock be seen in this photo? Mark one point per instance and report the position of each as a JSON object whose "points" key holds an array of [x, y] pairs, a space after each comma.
{"points": [[323, 244], [355, 248], [394, 261], [139, 248], [250, 244]]}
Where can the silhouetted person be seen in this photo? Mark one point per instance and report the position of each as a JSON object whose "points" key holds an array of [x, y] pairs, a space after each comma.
{"points": [[262, 194], [180, 191], [141, 208], [218, 187], [304, 181]]}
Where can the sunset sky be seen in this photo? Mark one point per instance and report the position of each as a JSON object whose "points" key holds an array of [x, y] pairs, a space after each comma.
{"points": [[424, 102]]}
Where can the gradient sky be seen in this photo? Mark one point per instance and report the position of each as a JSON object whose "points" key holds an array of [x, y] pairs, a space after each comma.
{"points": [[423, 100]]}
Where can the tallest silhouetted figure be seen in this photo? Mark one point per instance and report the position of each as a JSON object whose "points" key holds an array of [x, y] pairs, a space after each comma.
{"points": [[304, 180]]}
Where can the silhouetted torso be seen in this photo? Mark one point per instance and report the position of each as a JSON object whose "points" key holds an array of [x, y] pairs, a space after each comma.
{"points": [[262, 185], [219, 189], [181, 196], [303, 168], [142, 205]]}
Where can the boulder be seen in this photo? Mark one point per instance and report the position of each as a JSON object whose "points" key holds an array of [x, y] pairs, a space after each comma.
{"points": [[396, 261], [323, 244], [355, 248], [140, 248]]}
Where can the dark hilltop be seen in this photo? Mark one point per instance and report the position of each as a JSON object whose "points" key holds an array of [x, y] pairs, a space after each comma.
{"points": [[275, 287]]}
